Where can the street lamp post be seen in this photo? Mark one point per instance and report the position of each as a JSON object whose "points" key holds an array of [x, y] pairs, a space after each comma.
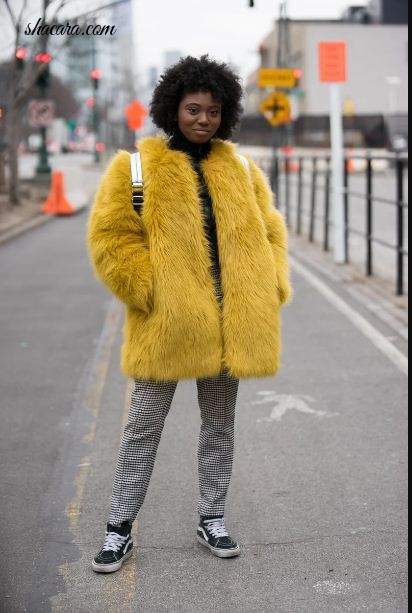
{"points": [[95, 76]]}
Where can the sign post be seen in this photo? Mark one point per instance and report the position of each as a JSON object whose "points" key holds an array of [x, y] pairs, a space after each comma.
{"points": [[276, 107], [332, 69]]}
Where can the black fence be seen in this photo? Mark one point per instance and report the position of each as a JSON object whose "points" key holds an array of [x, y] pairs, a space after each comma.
{"points": [[375, 210]]}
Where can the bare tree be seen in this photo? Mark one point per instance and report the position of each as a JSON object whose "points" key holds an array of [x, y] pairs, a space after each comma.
{"points": [[22, 78]]}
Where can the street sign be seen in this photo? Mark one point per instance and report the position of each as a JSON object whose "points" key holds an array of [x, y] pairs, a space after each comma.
{"points": [[41, 113], [332, 61], [277, 77], [276, 108]]}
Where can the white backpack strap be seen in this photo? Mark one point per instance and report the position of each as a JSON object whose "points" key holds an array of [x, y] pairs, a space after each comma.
{"points": [[244, 161], [137, 180]]}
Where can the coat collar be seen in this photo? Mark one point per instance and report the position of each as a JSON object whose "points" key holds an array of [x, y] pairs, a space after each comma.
{"points": [[171, 183], [157, 146]]}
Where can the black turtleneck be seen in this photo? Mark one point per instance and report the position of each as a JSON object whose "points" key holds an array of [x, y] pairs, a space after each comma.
{"points": [[197, 153]]}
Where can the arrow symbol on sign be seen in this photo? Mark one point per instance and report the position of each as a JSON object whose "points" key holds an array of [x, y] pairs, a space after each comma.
{"points": [[287, 402]]}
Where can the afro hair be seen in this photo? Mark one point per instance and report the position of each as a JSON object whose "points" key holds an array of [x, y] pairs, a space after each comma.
{"points": [[191, 75]]}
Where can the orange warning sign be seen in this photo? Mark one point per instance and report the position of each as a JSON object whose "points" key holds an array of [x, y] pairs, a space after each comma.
{"points": [[135, 113], [332, 61]]}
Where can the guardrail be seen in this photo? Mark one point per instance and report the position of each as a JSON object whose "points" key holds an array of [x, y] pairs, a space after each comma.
{"points": [[299, 180]]}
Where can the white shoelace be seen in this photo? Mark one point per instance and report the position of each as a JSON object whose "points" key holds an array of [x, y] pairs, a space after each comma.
{"points": [[113, 541], [216, 527]]}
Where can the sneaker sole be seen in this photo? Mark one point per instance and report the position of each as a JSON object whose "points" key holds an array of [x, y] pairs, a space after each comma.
{"points": [[220, 553], [111, 568]]}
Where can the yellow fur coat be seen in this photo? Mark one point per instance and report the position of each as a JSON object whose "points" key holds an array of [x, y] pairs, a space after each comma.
{"points": [[158, 265]]}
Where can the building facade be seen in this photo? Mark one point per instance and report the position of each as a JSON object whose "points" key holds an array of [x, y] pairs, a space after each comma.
{"points": [[389, 11], [377, 70]]}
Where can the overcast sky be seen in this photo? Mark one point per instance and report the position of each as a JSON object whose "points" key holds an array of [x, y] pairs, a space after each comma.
{"points": [[226, 29]]}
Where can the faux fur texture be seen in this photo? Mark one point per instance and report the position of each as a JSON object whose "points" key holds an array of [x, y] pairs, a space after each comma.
{"points": [[158, 265]]}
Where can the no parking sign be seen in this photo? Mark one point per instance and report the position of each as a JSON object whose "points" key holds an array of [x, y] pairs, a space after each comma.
{"points": [[41, 113]]}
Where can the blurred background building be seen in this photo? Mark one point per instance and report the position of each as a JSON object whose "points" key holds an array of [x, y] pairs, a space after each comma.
{"points": [[117, 84], [375, 96], [388, 11]]}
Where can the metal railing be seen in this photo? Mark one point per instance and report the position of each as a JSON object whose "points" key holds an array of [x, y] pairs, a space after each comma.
{"points": [[299, 182]]}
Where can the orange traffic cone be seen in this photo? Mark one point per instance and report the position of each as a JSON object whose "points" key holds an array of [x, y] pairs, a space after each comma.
{"points": [[57, 203], [350, 163], [291, 164]]}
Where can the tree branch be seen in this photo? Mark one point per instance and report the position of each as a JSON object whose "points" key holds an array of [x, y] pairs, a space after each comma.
{"points": [[23, 9], [10, 12]]}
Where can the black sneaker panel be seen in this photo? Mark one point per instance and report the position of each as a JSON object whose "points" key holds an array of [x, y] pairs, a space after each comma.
{"points": [[110, 556], [207, 517], [124, 529], [217, 542]]}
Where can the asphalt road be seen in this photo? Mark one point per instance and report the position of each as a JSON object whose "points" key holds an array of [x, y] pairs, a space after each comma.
{"points": [[318, 498]]}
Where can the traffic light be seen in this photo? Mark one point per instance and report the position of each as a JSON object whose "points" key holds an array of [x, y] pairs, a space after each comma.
{"points": [[95, 76], [43, 58], [43, 79], [297, 73], [21, 53]]}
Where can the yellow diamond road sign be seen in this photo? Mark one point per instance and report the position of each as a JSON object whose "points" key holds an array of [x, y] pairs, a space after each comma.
{"points": [[276, 108]]}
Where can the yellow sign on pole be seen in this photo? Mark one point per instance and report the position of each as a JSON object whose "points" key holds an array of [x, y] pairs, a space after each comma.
{"points": [[277, 77], [276, 108]]}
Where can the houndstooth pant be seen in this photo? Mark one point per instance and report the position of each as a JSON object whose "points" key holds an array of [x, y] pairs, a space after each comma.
{"points": [[150, 404]]}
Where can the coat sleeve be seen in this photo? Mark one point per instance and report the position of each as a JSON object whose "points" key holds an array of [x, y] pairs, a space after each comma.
{"points": [[117, 240], [276, 230]]}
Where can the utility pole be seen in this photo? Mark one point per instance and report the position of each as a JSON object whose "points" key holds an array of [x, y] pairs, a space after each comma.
{"points": [[283, 49], [95, 76], [282, 131], [283, 61]]}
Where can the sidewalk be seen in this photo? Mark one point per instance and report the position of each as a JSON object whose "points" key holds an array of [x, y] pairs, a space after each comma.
{"points": [[80, 176], [374, 296]]}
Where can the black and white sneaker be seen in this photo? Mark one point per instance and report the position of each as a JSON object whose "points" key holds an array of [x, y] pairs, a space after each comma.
{"points": [[117, 548], [212, 533]]}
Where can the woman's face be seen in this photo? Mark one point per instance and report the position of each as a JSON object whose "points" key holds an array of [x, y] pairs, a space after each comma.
{"points": [[199, 117]]}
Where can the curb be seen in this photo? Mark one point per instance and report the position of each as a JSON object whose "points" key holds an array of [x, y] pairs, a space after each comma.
{"points": [[31, 224]]}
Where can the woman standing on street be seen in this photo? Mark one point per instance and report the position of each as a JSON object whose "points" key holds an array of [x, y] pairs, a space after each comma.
{"points": [[202, 271]]}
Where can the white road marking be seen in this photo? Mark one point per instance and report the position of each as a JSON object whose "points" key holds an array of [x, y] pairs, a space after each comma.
{"points": [[378, 339], [287, 402], [333, 587]]}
